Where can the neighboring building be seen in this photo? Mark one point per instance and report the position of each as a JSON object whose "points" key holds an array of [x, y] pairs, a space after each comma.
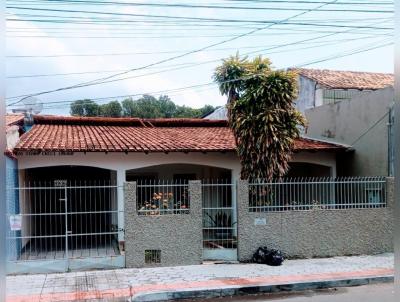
{"points": [[364, 122], [14, 129], [341, 107], [218, 114], [322, 87]]}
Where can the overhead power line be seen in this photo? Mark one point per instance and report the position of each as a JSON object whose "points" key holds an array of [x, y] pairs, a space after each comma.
{"points": [[206, 84], [99, 81], [345, 54], [258, 2], [192, 6], [260, 47]]}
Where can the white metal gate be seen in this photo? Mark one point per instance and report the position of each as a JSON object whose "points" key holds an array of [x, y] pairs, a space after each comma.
{"points": [[219, 220], [63, 226]]}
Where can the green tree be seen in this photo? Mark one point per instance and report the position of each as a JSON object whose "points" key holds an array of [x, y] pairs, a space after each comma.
{"points": [[128, 108], [167, 107], [112, 109], [261, 113], [145, 107], [84, 107]]}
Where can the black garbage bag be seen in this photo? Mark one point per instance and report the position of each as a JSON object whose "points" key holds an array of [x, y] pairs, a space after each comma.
{"points": [[272, 257]]}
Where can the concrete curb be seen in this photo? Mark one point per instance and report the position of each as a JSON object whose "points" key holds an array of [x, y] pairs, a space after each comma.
{"points": [[245, 290]]}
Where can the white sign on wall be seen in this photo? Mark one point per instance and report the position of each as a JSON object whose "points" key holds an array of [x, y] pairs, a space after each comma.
{"points": [[15, 222], [260, 221]]}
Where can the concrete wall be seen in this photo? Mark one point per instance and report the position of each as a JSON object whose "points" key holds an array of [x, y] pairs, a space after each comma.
{"points": [[346, 122], [316, 233], [178, 236], [306, 95], [12, 136], [218, 114]]}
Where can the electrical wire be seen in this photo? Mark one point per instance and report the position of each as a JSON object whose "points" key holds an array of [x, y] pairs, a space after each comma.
{"points": [[99, 81], [197, 85]]}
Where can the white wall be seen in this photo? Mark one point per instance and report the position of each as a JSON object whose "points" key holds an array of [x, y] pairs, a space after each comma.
{"points": [[12, 136], [122, 162], [306, 94]]}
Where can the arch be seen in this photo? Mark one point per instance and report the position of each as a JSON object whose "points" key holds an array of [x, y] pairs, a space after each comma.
{"points": [[121, 162], [71, 173], [177, 171], [307, 169]]}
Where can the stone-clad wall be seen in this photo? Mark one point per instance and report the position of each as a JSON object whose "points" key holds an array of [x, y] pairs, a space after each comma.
{"points": [[179, 237], [316, 233]]}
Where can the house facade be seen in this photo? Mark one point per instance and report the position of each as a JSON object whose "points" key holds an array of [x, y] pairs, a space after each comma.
{"points": [[95, 193]]}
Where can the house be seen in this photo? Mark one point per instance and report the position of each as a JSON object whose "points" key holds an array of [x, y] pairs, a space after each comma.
{"points": [[350, 108], [72, 209], [319, 87], [134, 148]]}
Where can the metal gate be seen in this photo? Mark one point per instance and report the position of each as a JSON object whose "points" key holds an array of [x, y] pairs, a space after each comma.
{"points": [[219, 220], [63, 226]]}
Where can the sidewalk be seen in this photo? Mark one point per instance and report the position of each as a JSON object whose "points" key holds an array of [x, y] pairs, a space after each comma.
{"points": [[199, 280]]}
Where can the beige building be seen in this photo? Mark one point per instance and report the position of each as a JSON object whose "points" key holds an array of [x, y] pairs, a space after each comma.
{"points": [[352, 108]]}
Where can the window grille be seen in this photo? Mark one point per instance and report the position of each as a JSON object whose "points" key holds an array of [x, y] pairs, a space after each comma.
{"points": [[152, 256], [161, 197], [317, 193]]}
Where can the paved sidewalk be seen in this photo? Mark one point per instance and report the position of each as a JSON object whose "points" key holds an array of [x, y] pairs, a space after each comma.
{"points": [[112, 285]]}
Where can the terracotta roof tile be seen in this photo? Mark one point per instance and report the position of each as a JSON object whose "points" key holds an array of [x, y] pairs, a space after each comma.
{"points": [[14, 119], [129, 135], [335, 79]]}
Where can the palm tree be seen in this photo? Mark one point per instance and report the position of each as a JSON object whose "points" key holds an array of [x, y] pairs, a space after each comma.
{"points": [[261, 113]]}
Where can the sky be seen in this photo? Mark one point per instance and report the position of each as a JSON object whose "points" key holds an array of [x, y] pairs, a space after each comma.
{"points": [[57, 44]]}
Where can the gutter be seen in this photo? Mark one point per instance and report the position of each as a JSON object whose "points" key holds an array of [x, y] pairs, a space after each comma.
{"points": [[349, 148]]}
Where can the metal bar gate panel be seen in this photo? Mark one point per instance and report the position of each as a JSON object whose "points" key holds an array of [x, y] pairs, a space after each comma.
{"points": [[64, 226], [219, 220]]}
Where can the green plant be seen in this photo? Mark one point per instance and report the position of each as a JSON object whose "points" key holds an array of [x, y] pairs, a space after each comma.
{"points": [[261, 113]]}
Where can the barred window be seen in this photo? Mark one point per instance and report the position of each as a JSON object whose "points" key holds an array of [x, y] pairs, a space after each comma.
{"points": [[152, 256], [161, 197]]}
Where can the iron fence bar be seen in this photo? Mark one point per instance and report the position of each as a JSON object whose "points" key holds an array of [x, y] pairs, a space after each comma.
{"points": [[65, 222], [68, 187], [311, 193]]}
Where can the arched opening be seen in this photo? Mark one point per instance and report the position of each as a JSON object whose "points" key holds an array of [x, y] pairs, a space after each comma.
{"points": [[68, 212], [182, 172], [303, 169], [70, 174], [219, 215]]}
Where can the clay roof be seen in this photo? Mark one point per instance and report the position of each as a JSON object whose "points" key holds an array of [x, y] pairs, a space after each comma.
{"points": [[138, 135], [335, 79], [14, 119]]}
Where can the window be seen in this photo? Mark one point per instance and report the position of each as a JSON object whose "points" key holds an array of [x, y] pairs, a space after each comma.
{"points": [[163, 197], [152, 256]]}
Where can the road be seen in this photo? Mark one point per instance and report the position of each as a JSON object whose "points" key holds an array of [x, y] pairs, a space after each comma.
{"points": [[369, 293]]}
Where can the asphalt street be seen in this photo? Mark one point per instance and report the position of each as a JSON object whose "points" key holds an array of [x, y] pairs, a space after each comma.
{"points": [[369, 293]]}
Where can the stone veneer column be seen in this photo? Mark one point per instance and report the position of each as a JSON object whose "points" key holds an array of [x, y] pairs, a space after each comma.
{"points": [[390, 192], [129, 214], [242, 210]]}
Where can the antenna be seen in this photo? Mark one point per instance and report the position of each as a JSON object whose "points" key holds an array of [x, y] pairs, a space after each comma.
{"points": [[32, 105]]}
